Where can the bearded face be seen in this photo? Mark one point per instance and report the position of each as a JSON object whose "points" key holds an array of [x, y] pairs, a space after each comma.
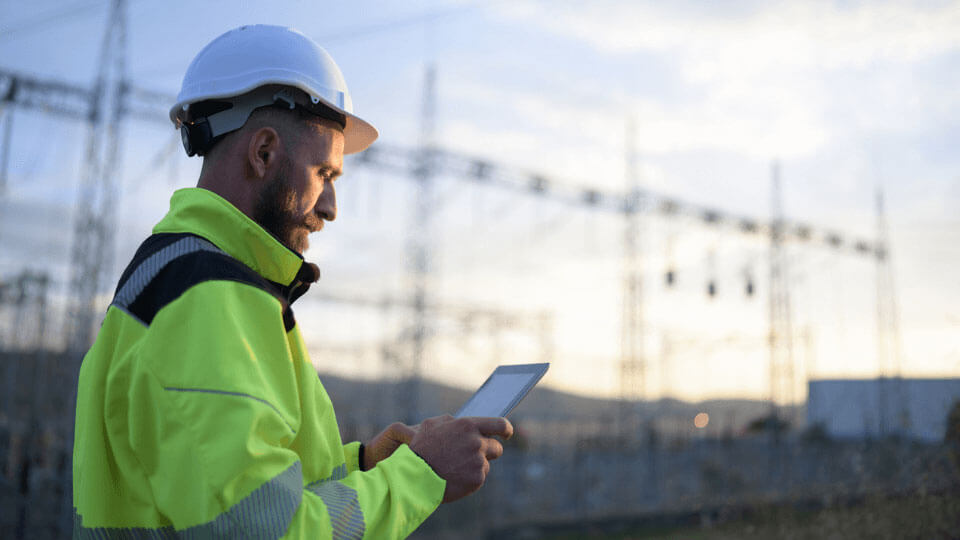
{"points": [[278, 210], [300, 196]]}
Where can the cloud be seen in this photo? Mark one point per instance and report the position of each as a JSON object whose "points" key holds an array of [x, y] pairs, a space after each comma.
{"points": [[783, 79], [775, 35], [763, 125]]}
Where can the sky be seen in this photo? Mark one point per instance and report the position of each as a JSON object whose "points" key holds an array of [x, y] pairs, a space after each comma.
{"points": [[848, 98]]}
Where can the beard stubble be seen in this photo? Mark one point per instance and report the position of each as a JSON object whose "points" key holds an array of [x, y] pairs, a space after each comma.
{"points": [[275, 211]]}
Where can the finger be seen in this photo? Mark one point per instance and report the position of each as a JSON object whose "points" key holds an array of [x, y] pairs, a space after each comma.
{"points": [[490, 426], [492, 449], [434, 421], [401, 432]]}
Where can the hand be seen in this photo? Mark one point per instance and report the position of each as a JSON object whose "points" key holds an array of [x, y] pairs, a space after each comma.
{"points": [[460, 450], [383, 445]]}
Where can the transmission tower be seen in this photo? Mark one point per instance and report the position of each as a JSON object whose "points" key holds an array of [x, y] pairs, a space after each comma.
{"points": [[25, 297], [95, 212], [419, 247], [893, 413], [781, 330], [632, 360], [70, 101]]}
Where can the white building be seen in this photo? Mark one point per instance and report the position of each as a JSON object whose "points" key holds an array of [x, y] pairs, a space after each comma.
{"points": [[852, 408]]}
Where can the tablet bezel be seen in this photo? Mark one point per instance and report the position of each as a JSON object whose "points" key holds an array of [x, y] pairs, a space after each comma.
{"points": [[537, 370]]}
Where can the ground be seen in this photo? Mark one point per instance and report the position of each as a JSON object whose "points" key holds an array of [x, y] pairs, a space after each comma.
{"points": [[917, 516]]}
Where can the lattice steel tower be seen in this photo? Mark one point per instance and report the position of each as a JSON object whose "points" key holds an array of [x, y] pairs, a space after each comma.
{"points": [[632, 359], [419, 248], [96, 208], [893, 413], [780, 335]]}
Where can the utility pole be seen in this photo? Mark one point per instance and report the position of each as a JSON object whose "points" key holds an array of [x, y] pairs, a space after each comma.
{"points": [[632, 360], [419, 248], [893, 413], [96, 208]]}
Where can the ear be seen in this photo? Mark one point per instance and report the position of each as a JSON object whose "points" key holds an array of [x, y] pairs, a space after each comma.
{"points": [[263, 151]]}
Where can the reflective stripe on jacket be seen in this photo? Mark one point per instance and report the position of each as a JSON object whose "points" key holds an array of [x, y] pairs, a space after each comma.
{"points": [[199, 413]]}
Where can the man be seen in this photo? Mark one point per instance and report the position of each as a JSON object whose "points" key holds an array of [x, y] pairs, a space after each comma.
{"points": [[199, 413]]}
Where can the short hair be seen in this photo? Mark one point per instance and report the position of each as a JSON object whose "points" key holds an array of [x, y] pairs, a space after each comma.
{"points": [[289, 123], [288, 113]]}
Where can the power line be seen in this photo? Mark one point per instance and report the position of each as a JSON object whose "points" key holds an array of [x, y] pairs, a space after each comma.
{"points": [[356, 32], [396, 24], [58, 16], [21, 90], [485, 172], [63, 99]]}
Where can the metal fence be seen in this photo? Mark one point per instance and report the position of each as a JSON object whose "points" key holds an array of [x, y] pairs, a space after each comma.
{"points": [[558, 473]]}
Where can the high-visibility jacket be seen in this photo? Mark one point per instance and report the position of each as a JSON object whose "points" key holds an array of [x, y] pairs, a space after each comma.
{"points": [[199, 413]]}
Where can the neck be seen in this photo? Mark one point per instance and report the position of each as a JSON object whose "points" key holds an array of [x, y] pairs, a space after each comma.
{"points": [[232, 186]]}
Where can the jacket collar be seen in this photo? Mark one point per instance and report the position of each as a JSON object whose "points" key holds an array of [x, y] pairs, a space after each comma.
{"points": [[204, 213]]}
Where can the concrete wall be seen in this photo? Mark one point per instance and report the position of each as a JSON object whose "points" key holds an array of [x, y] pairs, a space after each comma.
{"points": [[856, 409]]}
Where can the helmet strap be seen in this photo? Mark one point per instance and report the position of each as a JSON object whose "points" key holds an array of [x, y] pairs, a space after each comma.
{"points": [[199, 134]]}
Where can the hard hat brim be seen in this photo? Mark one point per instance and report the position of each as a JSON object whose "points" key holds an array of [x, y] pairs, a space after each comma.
{"points": [[358, 134]]}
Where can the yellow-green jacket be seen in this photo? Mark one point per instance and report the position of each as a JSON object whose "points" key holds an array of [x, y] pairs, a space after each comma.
{"points": [[199, 413]]}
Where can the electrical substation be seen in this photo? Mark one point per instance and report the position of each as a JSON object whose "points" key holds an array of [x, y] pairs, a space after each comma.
{"points": [[640, 448]]}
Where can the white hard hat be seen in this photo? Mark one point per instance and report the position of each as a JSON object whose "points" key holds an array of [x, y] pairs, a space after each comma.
{"points": [[231, 66]]}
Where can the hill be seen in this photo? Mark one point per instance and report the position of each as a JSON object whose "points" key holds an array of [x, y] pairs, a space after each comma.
{"points": [[368, 403]]}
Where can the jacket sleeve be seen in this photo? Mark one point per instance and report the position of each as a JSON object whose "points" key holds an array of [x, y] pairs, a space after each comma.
{"points": [[351, 456], [214, 408]]}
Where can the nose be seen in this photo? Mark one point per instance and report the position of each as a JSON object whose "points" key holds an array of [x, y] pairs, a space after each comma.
{"points": [[327, 204]]}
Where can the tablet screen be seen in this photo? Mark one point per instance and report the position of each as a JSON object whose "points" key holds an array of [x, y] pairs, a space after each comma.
{"points": [[503, 390]]}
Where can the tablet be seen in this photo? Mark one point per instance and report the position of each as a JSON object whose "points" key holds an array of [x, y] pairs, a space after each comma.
{"points": [[503, 390]]}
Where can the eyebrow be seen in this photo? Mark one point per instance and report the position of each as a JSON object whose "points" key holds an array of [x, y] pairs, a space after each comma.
{"points": [[327, 166]]}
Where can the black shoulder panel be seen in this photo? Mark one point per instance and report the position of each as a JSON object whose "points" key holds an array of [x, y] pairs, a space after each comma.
{"points": [[151, 245], [183, 272]]}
